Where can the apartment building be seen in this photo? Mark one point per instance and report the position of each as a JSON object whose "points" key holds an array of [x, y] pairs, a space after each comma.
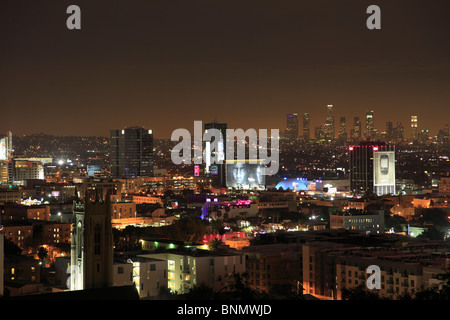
{"points": [[187, 268], [273, 264], [330, 268]]}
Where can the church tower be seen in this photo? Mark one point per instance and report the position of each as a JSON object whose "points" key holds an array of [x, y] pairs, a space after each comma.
{"points": [[91, 245]]}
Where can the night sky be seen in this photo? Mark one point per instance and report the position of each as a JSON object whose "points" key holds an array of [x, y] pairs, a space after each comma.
{"points": [[164, 64]]}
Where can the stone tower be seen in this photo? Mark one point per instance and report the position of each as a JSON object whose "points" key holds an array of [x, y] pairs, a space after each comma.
{"points": [[91, 245]]}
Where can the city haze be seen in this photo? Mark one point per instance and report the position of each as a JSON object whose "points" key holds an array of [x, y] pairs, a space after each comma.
{"points": [[163, 65]]}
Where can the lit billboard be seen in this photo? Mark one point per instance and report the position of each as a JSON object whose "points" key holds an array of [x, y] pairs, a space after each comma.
{"points": [[383, 168], [244, 175], [196, 171]]}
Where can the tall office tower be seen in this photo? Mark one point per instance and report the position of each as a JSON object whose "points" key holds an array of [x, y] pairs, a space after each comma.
{"points": [[424, 136], [91, 245], [369, 125], [414, 130], [216, 169], [131, 152], [329, 123], [318, 134], [372, 168], [306, 127], [6, 155], [399, 131], [355, 133], [292, 126], [389, 130], [6, 147], [342, 135], [443, 136]]}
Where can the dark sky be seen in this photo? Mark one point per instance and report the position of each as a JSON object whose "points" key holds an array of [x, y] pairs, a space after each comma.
{"points": [[164, 64]]}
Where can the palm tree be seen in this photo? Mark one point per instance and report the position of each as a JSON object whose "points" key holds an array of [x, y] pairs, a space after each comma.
{"points": [[214, 244], [42, 254]]}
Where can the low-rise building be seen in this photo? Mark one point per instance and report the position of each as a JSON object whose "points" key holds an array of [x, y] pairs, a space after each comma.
{"points": [[187, 268], [369, 222], [56, 233], [18, 232], [146, 199], [123, 210], [19, 211]]}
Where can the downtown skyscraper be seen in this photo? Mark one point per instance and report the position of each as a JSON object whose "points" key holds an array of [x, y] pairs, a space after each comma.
{"points": [[292, 126], [414, 129], [216, 170], [306, 127], [329, 129], [131, 152], [370, 128], [355, 132]]}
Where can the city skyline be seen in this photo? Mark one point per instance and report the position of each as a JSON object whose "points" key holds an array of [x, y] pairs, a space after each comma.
{"points": [[379, 126], [164, 65]]}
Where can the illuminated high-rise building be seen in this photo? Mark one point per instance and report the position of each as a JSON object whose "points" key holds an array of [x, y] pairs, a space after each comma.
{"points": [[292, 126], [342, 135], [414, 129], [443, 136], [355, 133], [306, 127], [329, 123], [372, 168], [424, 136], [6, 149], [389, 130], [369, 125], [131, 152], [216, 169], [399, 131], [6, 156]]}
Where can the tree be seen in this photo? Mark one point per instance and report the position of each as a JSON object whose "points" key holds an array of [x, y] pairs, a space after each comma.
{"points": [[237, 289], [436, 293], [394, 221], [200, 292], [437, 216], [214, 244], [432, 233], [42, 253], [358, 293], [285, 292]]}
